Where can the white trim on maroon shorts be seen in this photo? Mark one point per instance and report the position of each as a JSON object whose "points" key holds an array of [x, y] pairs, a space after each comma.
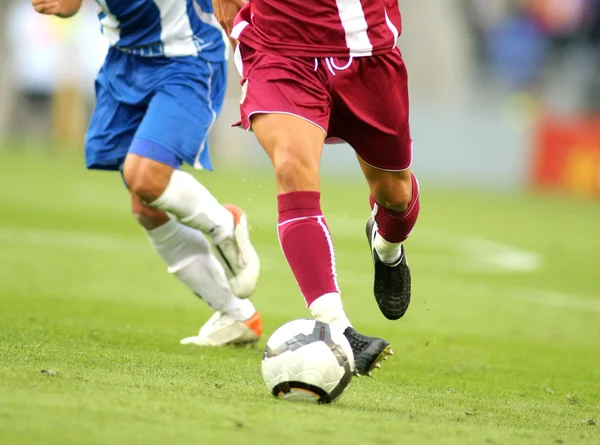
{"points": [[281, 112]]}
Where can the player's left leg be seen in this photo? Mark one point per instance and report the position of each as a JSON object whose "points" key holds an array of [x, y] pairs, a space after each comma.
{"points": [[172, 190], [373, 118], [395, 207], [188, 256], [175, 129]]}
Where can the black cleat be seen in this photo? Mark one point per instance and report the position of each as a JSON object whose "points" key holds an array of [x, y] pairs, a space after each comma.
{"points": [[392, 282], [369, 352]]}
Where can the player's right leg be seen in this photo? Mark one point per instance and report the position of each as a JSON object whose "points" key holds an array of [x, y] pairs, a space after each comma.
{"points": [[165, 187], [292, 134], [188, 97]]}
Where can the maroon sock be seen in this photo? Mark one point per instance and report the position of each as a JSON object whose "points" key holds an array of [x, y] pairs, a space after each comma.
{"points": [[306, 243], [393, 226]]}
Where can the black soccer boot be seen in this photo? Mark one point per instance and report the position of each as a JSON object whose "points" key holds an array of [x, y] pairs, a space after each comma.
{"points": [[369, 352], [392, 281]]}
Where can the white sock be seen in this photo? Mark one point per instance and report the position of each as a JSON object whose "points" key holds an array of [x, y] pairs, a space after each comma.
{"points": [[193, 205], [188, 256], [388, 252], [329, 309]]}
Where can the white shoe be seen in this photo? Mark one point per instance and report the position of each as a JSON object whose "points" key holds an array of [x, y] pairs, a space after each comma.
{"points": [[222, 330], [238, 256]]}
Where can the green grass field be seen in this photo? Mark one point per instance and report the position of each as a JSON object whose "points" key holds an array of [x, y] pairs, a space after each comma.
{"points": [[500, 346]]}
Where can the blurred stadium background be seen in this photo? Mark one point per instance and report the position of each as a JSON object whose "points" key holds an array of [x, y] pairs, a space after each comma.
{"points": [[498, 87]]}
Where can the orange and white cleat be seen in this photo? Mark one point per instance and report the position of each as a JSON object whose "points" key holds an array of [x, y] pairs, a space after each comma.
{"points": [[238, 256], [223, 330]]}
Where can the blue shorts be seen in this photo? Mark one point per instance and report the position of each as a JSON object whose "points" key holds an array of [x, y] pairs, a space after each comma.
{"points": [[160, 108]]}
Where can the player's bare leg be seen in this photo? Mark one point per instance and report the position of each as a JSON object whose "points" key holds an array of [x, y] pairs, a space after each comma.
{"points": [[178, 193], [187, 253], [294, 146], [395, 205]]}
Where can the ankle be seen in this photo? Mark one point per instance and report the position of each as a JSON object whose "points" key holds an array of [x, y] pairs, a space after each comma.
{"points": [[389, 253], [329, 309]]}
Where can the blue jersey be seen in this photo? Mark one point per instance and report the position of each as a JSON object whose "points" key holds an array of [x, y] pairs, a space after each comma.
{"points": [[169, 28]]}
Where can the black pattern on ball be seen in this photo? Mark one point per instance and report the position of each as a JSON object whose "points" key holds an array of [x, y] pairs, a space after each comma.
{"points": [[321, 332], [286, 388]]}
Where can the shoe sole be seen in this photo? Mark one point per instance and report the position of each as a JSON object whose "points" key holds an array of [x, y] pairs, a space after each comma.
{"points": [[393, 305], [376, 363], [245, 344], [238, 344], [254, 324]]}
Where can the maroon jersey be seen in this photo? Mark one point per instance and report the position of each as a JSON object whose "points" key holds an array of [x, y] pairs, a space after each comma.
{"points": [[319, 28]]}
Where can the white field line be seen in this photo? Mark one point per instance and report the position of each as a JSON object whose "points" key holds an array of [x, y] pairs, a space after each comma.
{"points": [[559, 299], [70, 239], [467, 253], [493, 257], [474, 253], [481, 255], [110, 243], [543, 297]]}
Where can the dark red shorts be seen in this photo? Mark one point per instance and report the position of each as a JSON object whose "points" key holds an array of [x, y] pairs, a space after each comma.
{"points": [[363, 101]]}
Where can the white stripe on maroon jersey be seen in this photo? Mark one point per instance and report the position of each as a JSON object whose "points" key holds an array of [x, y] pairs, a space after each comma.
{"points": [[355, 26], [392, 27]]}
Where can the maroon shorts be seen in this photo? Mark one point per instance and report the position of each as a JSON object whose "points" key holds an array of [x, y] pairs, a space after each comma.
{"points": [[363, 101]]}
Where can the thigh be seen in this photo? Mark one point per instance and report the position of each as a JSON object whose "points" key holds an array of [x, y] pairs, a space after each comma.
{"points": [[111, 130], [275, 84], [373, 116], [294, 146], [181, 113]]}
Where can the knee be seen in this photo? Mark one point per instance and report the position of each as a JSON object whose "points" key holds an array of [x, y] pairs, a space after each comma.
{"points": [[144, 219], [294, 173], [147, 217], [294, 147], [145, 177], [395, 195]]}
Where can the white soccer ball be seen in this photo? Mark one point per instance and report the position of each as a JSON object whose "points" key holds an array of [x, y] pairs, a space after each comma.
{"points": [[307, 360]]}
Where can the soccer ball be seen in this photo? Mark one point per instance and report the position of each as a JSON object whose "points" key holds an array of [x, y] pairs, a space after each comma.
{"points": [[307, 360]]}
